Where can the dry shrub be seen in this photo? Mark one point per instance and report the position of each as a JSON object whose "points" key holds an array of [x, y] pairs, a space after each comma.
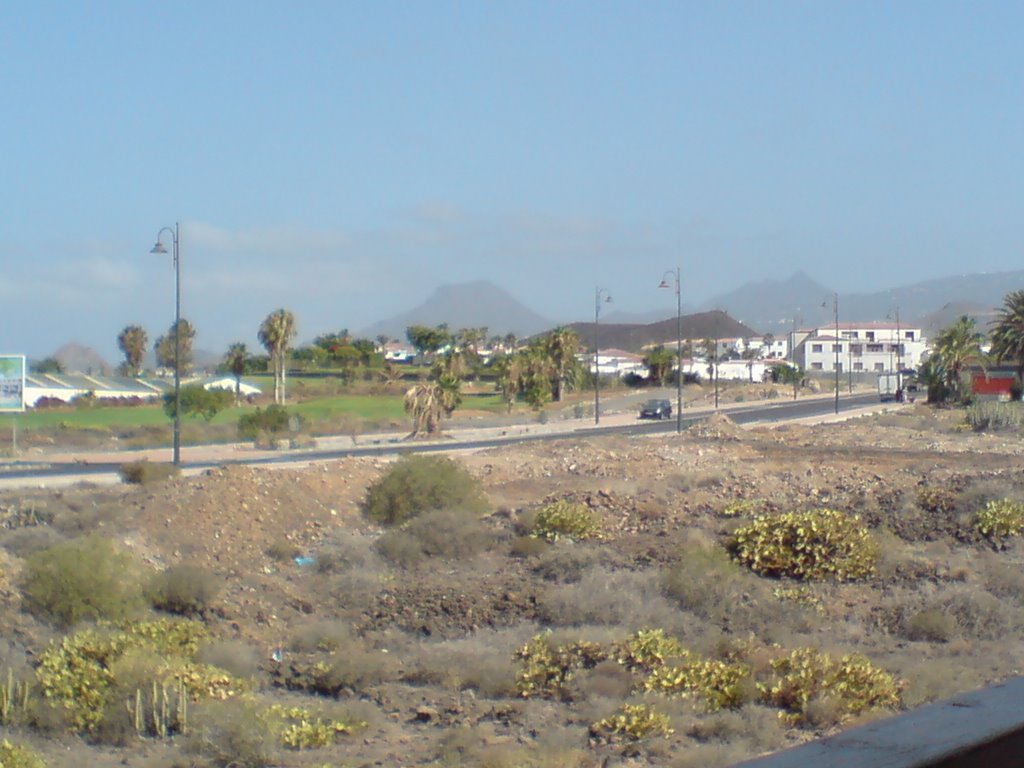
{"points": [[566, 561], [283, 551], [566, 519], [1003, 579], [185, 589], [235, 656], [354, 667], [482, 662], [444, 534], [930, 625], [146, 472], [712, 755], [707, 583], [231, 734], [22, 542], [609, 680], [323, 636], [348, 551], [528, 546], [83, 579], [630, 599], [980, 615]]}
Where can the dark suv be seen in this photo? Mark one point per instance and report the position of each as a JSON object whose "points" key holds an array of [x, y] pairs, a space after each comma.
{"points": [[656, 409]]}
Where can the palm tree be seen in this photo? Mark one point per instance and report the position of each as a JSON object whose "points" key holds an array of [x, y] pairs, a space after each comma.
{"points": [[509, 369], [561, 346], [427, 403], [275, 334], [1008, 332], [235, 360], [132, 341], [956, 347], [659, 362]]}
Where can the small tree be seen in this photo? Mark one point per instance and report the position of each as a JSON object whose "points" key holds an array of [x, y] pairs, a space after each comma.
{"points": [[132, 342], [427, 340], [196, 400], [165, 346], [48, 365], [659, 362], [956, 347]]}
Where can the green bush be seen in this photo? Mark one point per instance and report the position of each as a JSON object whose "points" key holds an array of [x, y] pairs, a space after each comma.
{"points": [[807, 680], [275, 420], [144, 472], [1000, 519], [445, 534], [17, 756], [816, 544], [185, 589], [564, 519], [418, 484], [83, 579], [547, 669], [721, 684], [197, 400]]}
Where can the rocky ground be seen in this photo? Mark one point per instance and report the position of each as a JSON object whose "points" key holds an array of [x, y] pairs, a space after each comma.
{"points": [[424, 645]]}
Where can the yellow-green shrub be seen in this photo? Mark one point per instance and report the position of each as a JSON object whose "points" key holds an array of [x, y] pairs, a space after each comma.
{"points": [[80, 672], [632, 722], [565, 519], [816, 544], [546, 669], [851, 684], [648, 649], [17, 756], [722, 685], [299, 728], [1000, 519]]}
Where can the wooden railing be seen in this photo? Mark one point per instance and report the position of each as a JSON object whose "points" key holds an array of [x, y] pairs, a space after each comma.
{"points": [[983, 729]]}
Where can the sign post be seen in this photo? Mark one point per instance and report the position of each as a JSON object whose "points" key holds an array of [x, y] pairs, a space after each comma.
{"points": [[12, 391]]}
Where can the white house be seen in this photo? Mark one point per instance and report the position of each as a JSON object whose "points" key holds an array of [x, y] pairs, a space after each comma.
{"points": [[859, 347], [615, 362]]}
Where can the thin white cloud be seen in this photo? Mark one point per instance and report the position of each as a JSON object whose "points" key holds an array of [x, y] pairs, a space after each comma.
{"points": [[270, 240]]}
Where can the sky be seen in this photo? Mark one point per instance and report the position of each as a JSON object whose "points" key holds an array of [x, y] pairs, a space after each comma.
{"points": [[344, 159]]}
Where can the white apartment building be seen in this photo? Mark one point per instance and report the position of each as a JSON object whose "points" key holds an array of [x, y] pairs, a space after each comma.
{"points": [[859, 347]]}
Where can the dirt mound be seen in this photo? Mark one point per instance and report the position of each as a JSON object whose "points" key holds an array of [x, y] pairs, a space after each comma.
{"points": [[717, 427]]}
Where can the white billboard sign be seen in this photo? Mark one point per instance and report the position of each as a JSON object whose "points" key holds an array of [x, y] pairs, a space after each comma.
{"points": [[12, 383]]}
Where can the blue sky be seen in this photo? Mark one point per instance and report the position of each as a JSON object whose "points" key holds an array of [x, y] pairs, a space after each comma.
{"points": [[343, 159]]}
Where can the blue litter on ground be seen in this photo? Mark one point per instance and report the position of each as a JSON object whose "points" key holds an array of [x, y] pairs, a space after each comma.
{"points": [[304, 560]]}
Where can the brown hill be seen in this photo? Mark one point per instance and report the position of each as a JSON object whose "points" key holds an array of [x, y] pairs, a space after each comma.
{"points": [[634, 337]]}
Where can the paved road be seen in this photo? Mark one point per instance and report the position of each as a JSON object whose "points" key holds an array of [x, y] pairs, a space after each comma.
{"points": [[44, 471]]}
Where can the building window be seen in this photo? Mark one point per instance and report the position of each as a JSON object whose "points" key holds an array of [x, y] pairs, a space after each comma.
{"points": [[870, 335], [909, 336], [874, 347], [879, 366], [839, 367], [837, 347], [857, 349], [849, 334], [816, 366], [858, 366], [815, 347]]}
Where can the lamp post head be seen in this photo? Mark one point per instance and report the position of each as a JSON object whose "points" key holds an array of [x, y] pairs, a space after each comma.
{"points": [[158, 248], [664, 284]]}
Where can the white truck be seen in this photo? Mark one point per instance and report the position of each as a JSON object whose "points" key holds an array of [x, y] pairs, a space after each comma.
{"points": [[897, 386]]}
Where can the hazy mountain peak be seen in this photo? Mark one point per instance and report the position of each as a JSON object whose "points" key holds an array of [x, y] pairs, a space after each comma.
{"points": [[466, 305]]}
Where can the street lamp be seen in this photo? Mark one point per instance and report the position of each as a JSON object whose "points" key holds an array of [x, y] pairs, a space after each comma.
{"points": [[835, 347], [679, 345], [159, 248], [600, 294]]}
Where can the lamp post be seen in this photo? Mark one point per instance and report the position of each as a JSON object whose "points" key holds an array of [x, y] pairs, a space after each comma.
{"points": [[159, 248], [679, 345], [600, 294], [835, 347]]}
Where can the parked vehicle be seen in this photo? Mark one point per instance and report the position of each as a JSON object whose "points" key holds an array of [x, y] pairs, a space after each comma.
{"points": [[656, 409], [901, 386]]}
